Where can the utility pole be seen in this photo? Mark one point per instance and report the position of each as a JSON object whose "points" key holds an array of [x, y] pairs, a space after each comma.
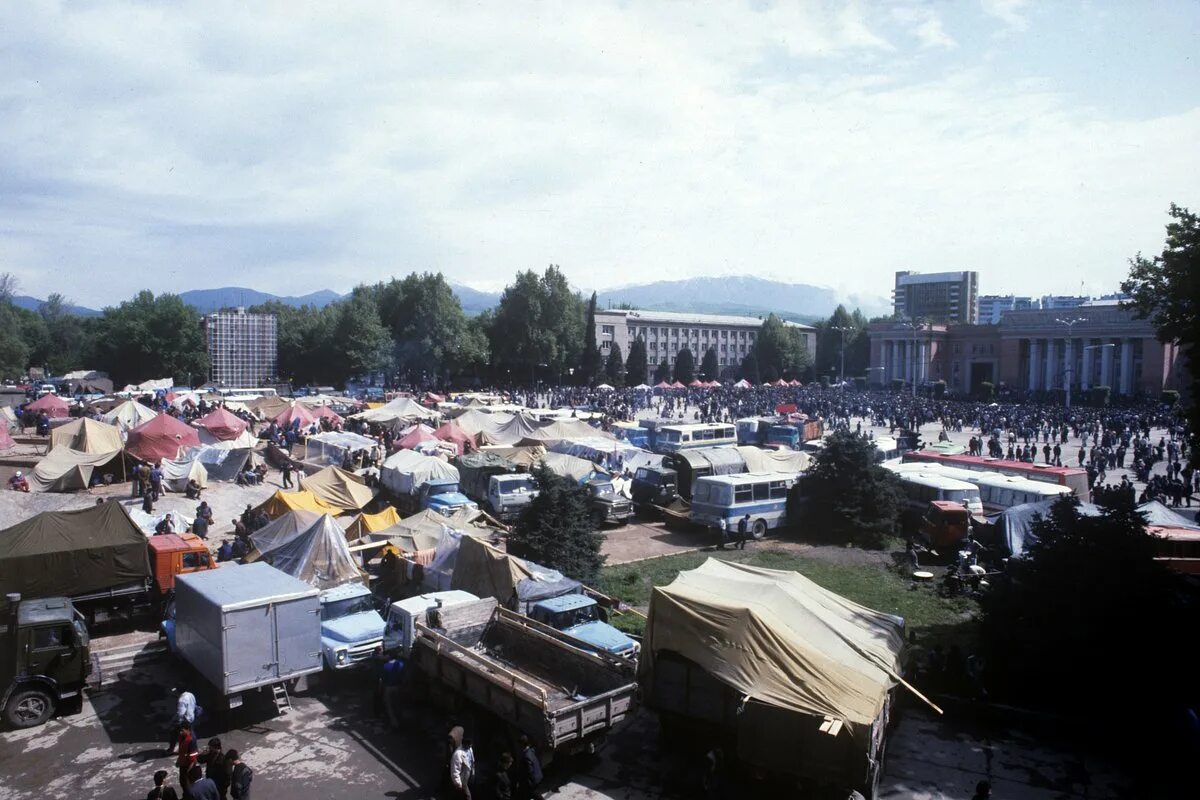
{"points": [[914, 326], [1070, 322], [842, 330]]}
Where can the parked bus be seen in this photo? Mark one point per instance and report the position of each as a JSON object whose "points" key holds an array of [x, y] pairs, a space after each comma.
{"points": [[1073, 478], [997, 491], [673, 438], [1178, 549], [923, 488], [724, 499]]}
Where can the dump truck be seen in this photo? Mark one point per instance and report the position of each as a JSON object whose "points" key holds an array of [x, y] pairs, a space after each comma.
{"points": [[539, 681], [246, 629], [44, 659]]}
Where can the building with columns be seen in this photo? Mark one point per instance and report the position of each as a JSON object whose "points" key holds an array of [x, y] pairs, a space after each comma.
{"points": [[1032, 350]]}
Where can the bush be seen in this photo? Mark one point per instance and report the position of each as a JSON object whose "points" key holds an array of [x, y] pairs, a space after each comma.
{"points": [[556, 529], [851, 499]]}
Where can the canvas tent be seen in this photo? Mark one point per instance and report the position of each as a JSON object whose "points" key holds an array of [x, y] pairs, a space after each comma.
{"points": [[402, 409], [67, 470], [338, 488], [87, 436], [331, 447], [129, 414], [364, 524], [221, 463], [222, 424], [783, 641], [52, 404], [267, 407], [569, 466], [283, 502], [159, 438], [308, 546], [176, 474], [418, 434], [296, 411], [6, 440], [523, 456], [453, 433], [759, 460], [73, 552], [146, 387], [405, 470]]}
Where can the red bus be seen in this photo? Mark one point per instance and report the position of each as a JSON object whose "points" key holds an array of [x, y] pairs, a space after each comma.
{"points": [[1073, 478]]}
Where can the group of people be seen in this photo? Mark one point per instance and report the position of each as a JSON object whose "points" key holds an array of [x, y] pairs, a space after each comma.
{"points": [[214, 774]]}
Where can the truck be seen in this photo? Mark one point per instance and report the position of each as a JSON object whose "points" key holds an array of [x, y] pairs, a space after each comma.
{"points": [[580, 617], [495, 483], [44, 659], [532, 677], [440, 494], [245, 630], [606, 504], [351, 627], [654, 487], [787, 436], [100, 559]]}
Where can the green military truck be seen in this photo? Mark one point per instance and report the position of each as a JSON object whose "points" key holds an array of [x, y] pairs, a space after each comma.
{"points": [[44, 659]]}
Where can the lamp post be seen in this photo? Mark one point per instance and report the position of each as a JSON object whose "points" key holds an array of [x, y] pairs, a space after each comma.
{"points": [[842, 372], [914, 326], [1068, 373], [1072, 367]]}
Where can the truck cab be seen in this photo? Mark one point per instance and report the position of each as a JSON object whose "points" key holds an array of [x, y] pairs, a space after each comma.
{"points": [[606, 504], [654, 486], [509, 494], [351, 628], [177, 554], [784, 436], [402, 614], [945, 524], [444, 496], [44, 659], [580, 616]]}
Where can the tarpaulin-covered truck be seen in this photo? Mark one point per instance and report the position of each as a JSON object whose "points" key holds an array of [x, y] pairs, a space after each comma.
{"points": [[419, 482], [793, 680], [495, 483]]}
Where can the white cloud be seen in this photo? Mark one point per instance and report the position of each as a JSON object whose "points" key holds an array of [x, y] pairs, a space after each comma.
{"points": [[1008, 12], [926, 25]]}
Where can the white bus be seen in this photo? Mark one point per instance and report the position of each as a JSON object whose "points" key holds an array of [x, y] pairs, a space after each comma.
{"points": [[922, 488], [673, 438], [722, 500], [996, 490]]}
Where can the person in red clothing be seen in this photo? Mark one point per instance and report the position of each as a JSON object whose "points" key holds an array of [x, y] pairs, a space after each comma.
{"points": [[189, 753]]}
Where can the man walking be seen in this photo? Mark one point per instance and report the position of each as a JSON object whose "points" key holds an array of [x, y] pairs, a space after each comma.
{"points": [[287, 473], [743, 531], [529, 772]]}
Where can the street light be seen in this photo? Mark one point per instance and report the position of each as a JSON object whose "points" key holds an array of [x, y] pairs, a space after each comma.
{"points": [[842, 330], [1071, 368], [1070, 322], [914, 326]]}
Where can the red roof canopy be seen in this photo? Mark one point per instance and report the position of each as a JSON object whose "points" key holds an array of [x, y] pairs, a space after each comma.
{"points": [[327, 413], [52, 404], [160, 438], [418, 434], [222, 423], [677, 385], [698, 384], [297, 411], [662, 385], [452, 432]]}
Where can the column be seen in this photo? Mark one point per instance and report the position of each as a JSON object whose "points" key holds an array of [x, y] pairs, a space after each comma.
{"points": [[923, 366], [1106, 364], [1051, 366], [1085, 376], [1034, 364], [891, 360], [908, 361], [1069, 374], [1126, 366]]}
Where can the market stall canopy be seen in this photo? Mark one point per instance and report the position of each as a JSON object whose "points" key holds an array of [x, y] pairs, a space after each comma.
{"points": [[402, 409], [73, 552], [364, 524], [159, 438], [783, 640], [338, 488], [87, 436], [52, 404], [129, 414], [310, 547], [67, 470], [222, 424], [283, 502], [405, 470]]}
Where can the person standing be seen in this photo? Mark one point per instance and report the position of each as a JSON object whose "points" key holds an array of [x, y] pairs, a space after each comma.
{"points": [[287, 473], [156, 482], [460, 770], [529, 772], [188, 755], [215, 766], [240, 776], [743, 531], [185, 711], [502, 781], [200, 787], [160, 778]]}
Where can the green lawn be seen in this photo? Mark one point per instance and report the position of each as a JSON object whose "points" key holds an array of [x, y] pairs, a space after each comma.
{"points": [[876, 586]]}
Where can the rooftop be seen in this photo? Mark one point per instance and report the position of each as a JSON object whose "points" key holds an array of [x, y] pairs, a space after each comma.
{"points": [[683, 318]]}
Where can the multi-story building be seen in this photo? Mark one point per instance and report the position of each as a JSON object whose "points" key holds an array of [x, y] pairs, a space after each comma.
{"points": [[242, 348], [946, 297], [994, 306], [1060, 301], [668, 332]]}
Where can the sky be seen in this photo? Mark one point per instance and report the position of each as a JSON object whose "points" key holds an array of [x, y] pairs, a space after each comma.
{"points": [[291, 148]]}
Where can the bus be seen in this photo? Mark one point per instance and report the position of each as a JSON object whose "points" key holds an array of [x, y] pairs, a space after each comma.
{"points": [[1073, 478], [722, 500], [1178, 549], [997, 491], [923, 488], [673, 438]]}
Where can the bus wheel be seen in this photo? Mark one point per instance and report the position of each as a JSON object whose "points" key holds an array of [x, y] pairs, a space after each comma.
{"points": [[760, 529]]}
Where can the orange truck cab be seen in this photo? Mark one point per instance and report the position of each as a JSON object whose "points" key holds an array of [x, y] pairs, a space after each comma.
{"points": [[945, 524], [175, 554]]}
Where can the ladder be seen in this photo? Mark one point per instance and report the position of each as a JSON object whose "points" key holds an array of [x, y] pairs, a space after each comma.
{"points": [[283, 703]]}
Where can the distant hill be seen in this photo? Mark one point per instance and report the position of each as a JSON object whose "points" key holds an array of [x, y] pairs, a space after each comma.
{"points": [[740, 295], [33, 304], [206, 300], [474, 301]]}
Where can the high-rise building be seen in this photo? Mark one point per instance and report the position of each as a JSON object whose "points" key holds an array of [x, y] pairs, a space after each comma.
{"points": [[242, 348], [994, 306], [950, 297]]}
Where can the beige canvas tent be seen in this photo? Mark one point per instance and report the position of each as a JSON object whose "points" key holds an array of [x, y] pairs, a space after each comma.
{"points": [[759, 460], [423, 530], [129, 414], [308, 546], [338, 488], [67, 470], [363, 524], [87, 436]]}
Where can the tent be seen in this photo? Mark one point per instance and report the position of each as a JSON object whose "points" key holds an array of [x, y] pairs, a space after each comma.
{"points": [[221, 463], [714, 384], [793, 382], [87, 436], [677, 385], [308, 546], [697, 384], [267, 407], [662, 385], [423, 530], [159, 438], [297, 411], [325, 412], [148, 523], [419, 434], [452, 432], [148, 387], [8, 419], [52, 404], [568, 466], [364, 524], [473, 421], [73, 552], [283, 502], [642, 387], [758, 459], [604, 387], [525, 456], [742, 384], [402, 409], [222, 424], [243, 441], [129, 414], [176, 474], [331, 447], [778, 639], [6, 440], [405, 470], [338, 488], [67, 470]]}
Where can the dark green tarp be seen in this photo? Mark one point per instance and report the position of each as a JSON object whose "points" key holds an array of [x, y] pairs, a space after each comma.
{"points": [[69, 553]]}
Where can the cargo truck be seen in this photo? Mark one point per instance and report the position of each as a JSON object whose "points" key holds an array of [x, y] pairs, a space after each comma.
{"points": [[496, 485], [44, 659]]}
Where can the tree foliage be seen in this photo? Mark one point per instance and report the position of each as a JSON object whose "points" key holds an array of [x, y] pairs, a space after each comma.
{"points": [[614, 367], [589, 364], [539, 321], [662, 372], [709, 371], [749, 370], [636, 364], [780, 350], [431, 335], [829, 343], [685, 366], [151, 337], [850, 498], [556, 529]]}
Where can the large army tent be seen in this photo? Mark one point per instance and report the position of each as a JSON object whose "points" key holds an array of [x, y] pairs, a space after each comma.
{"points": [[176, 474], [52, 404], [518, 428], [308, 546], [222, 424], [283, 502], [402, 409], [87, 436], [129, 414], [405, 470], [573, 467], [338, 488], [760, 460], [474, 422], [524, 456], [778, 639], [364, 524], [67, 470], [73, 552], [159, 438], [267, 407]]}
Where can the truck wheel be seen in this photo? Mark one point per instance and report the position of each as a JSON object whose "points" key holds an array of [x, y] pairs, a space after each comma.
{"points": [[28, 709], [759, 530]]}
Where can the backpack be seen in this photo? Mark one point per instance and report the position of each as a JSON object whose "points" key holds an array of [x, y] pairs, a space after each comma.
{"points": [[240, 784]]}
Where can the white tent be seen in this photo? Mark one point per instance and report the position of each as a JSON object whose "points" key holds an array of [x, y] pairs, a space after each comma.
{"points": [[243, 441], [401, 409], [405, 470], [176, 474], [308, 546], [604, 387], [149, 386], [128, 415], [148, 523]]}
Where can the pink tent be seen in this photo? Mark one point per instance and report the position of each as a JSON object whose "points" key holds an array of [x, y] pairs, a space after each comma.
{"points": [[297, 411], [742, 384], [52, 404], [714, 385], [662, 385], [677, 385], [451, 432], [6, 440], [432, 399], [327, 413], [160, 438], [697, 384], [793, 382], [420, 433], [780, 382], [222, 424]]}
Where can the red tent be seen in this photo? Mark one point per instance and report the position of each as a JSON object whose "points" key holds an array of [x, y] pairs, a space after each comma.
{"points": [[662, 385], [52, 404], [297, 411], [780, 382], [793, 382], [714, 385], [677, 385], [698, 384], [327, 413], [420, 433], [451, 432], [222, 424], [160, 438], [432, 399], [6, 440]]}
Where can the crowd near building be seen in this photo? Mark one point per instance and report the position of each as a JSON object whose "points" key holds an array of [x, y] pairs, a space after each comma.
{"points": [[242, 348], [666, 333]]}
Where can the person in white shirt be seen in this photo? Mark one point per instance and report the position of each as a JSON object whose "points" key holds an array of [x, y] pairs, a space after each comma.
{"points": [[185, 711], [462, 764]]}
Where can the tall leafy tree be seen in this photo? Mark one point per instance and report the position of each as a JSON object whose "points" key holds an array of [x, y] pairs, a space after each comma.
{"points": [[363, 342], [66, 341], [589, 365], [685, 366], [151, 337], [1166, 290], [662, 372], [780, 350], [750, 368], [431, 334], [636, 364], [708, 366], [851, 499], [538, 326], [14, 353], [614, 367], [556, 529], [830, 333]]}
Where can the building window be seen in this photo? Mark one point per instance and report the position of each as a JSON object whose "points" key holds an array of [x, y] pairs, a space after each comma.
{"points": [[607, 330]]}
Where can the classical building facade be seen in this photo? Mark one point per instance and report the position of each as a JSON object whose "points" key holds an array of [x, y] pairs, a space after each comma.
{"points": [[1031, 351], [242, 348]]}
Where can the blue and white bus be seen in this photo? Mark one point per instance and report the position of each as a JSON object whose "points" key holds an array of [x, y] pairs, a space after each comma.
{"points": [[673, 438], [720, 501]]}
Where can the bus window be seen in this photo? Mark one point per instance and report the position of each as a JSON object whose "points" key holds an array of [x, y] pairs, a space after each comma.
{"points": [[743, 494], [779, 490], [701, 492], [762, 491]]}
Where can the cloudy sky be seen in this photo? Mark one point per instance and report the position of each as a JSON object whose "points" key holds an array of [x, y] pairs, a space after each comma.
{"points": [[295, 148]]}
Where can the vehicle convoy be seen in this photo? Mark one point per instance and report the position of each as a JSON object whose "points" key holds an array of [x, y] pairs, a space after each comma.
{"points": [[245, 629], [99, 558], [792, 681], [44, 659], [529, 675], [607, 505], [495, 483]]}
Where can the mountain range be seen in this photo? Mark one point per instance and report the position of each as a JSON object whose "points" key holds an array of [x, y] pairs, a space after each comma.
{"points": [[738, 295]]}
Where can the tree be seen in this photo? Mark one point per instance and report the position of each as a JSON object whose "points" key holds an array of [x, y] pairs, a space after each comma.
{"points": [[830, 333], [662, 372], [14, 355], [431, 334], [556, 529], [151, 337], [708, 367], [685, 367], [614, 368], [65, 337], [851, 499], [538, 324], [750, 368], [1166, 290], [780, 350], [635, 364], [363, 343], [589, 365]]}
